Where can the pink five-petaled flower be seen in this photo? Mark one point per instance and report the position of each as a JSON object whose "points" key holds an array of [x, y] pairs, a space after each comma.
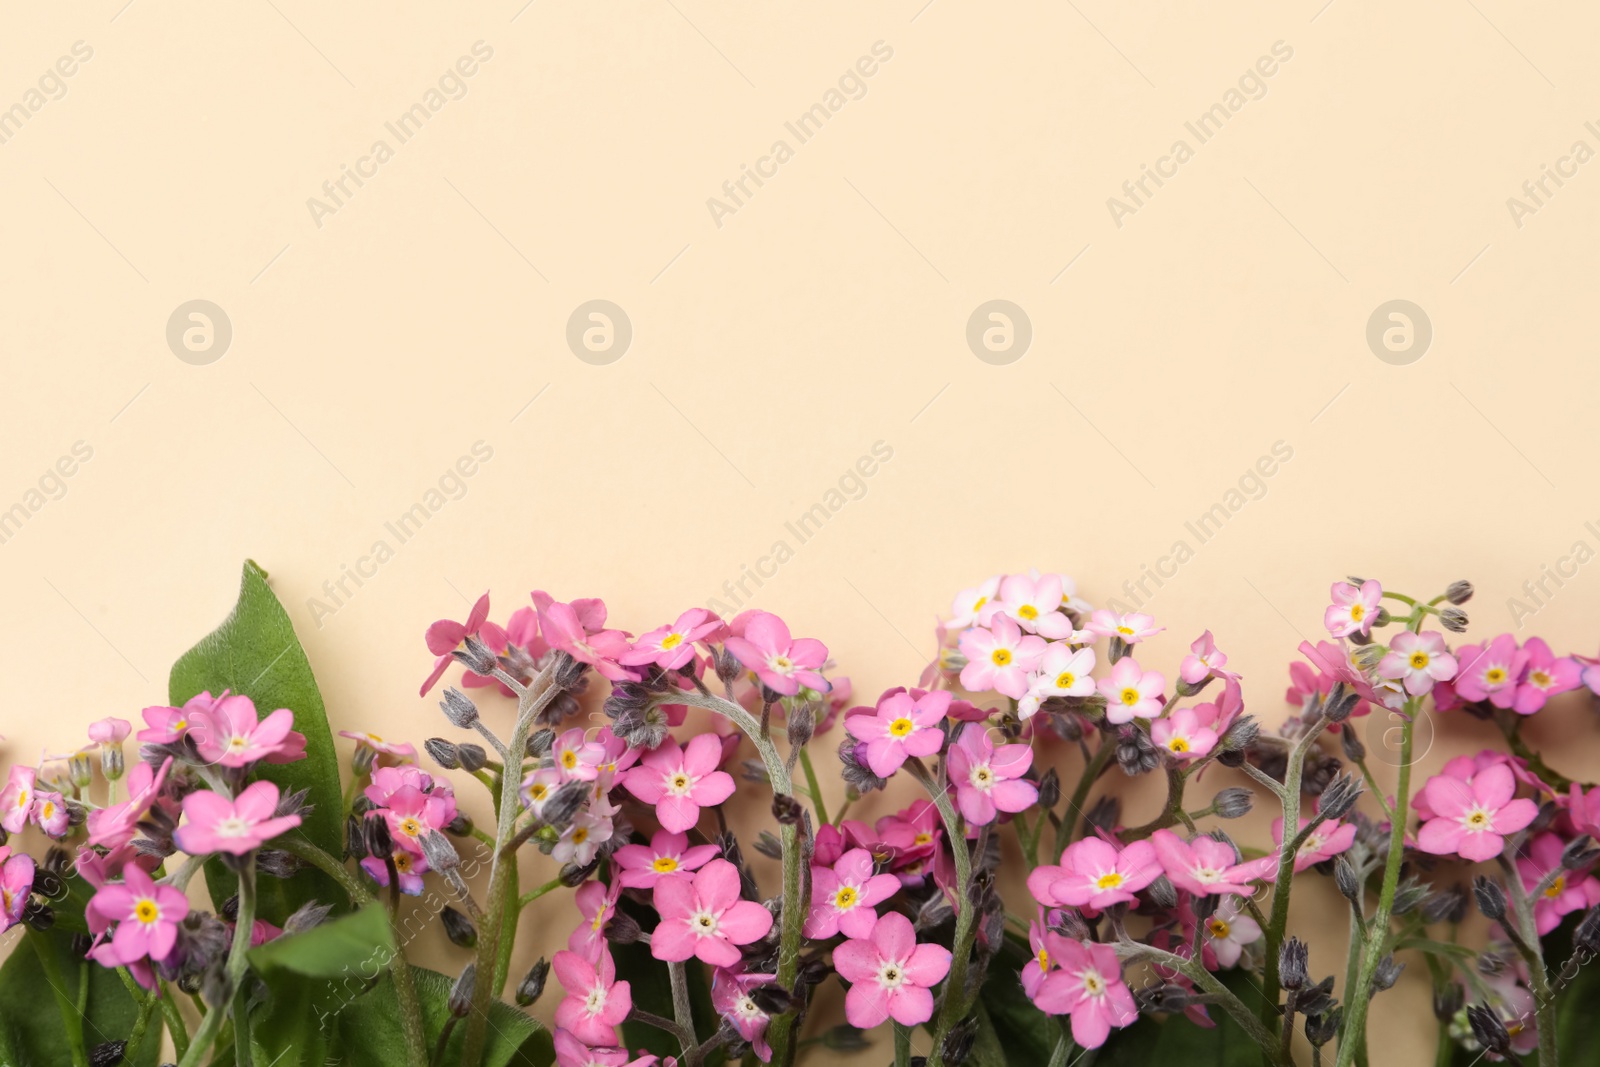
{"points": [[597, 902], [1491, 673], [1131, 627], [681, 781], [968, 604], [1062, 672], [845, 897], [1095, 874], [1184, 734], [1047, 947], [399, 750], [168, 725], [228, 733], [1353, 610], [1546, 677], [782, 663], [411, 813], [16, 882], [671, 647], [409, 867], [1204, 660], [989, 779], [900, 726], [213, 823], [447, 635], [667, 854], [1472, 818], [1087, 984], [50, 813], [1227, 932], [1204, 865], [570, 1052], [890, 975], [16, 800], [1419, 660], [596, 1003], [705, 918], [730, 996], [1566, 892], [1132, 693], [1033, 603], [1325, 842], [146, 914], [576, 756], [116, 825], [1000, 657], [110, 731], [578, 629]]}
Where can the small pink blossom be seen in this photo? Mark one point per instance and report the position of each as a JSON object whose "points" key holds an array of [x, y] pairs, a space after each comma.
{"points": [[969, 604], [1204, 661], [1094, 873], [580, 842], [730, 996], [50, 813], [411, 813], [538, 787], [1584, 810], [570, 1052], [147, 915], [1472, 818], [110, 731], [1184, 734], [167, 726], [1131, 627], [681, 781], [1547, 675], [672, 647], [782, 663], [1353, 610], [1048, 947], [447, 635], [1325, 842], [1229, 930], [597, 902], [117, 825], [576, 756], [900, 726], [1132, 693], [16, 883], [596, 1003], [1033, 603], [398, 750], [16, 800], [578, 629], [1201, 866], [890, 975], [667, 854], [1087, 984], [1570, 890], [1000, 658], [408, 866], [987, 779], [1492, 672], [1419, 660], [705, 917], [229, 734], [1062, 672], [845, 896], [213, 823]]}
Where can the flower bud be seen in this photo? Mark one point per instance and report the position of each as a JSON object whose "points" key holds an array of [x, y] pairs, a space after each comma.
{"points": [[768, 845], [1241, 735], [1136, 753], [458, 928], [112, 763], [572, 875], [1049, 789], [565, 803], [1339, 796], [276, 863], [1409, 896], [362, 760], [1453, 619], [958, 1042], [442, 752], [856, 773], [1104, 813], [355, 838], [107, 1054], [772, 998], [1345, 877], [1586, 938], [460, 826], [532, 985], [1385, 975], [1292, 961], [626, 697], [802, 724], [1342, 700], [1205, 906], [1445, 905], [1579, 853], [1447, 1001], [473, 757], [1368, 657], [460, 1002], [1322, 1027], [475, 656], [306, 917], [1353, 748], [1488, 1029], [461, 711], [1490, 964], [786, 809], [1491, 898], [1233, 802], [1459, 592], [380, 844], [623, 929]]}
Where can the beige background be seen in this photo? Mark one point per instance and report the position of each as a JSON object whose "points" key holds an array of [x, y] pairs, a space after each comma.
{"points": [[826, 313]]}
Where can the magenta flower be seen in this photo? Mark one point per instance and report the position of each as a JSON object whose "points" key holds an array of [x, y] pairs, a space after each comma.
{"points": [[1093, 873], [1184, 734], [411, 813], [1132, 693], [1000, 657], [900, 727], [1546, 677], [597, 902], [596, 1003], [147, 915], [16, 882], [213, 823], [578, 629], [118, 824], [730, 996], [845, 897], [1419, 660], [1062, 672], [890, 975], [1492, 672], [110, 731], [50, 813], [1570, 890], [229, 734], [705, 918], [679, 781], [672, 647], [167, 726], [1131, 627], [1353, 610], [576, 756], [1087, 984], [1325, 842], [408, 866], [1201, 866], [1204, 661], [667, 854], [16, 800], [989, 779], [1471, 818], [447, 635], [399, 750], [570, 1052], [782, 663]]}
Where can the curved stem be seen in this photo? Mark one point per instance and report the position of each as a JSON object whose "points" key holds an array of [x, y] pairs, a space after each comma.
{"points": [[954, 1006], [243, 926], [1131, 950], [812, 785], [173, 1019]]}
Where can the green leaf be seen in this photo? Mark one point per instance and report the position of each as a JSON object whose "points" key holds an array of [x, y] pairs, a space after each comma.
{"points": [[1029, 1034], [341, 947], [255, 652], [368, 1027], [32, 1033], [1176, 1040]]}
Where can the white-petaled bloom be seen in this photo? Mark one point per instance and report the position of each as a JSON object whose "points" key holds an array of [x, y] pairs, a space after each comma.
{"points": [[1063, 672]]}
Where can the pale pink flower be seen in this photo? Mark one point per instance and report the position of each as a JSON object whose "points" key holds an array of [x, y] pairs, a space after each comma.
{"points": [[576, 756], [1570, 890], [1062, 672], [1472, 818], [890, 975], [1201, 866], [1229, 930], [597, 902], [705, 917], [147, 916], [845, 896], [1094, 873], [581, 840], [213, 823], [970, 603], [1547, 676], [16, 883], [1132, 693], [539, 786], [1131, 627], [596, 1003], [1325, 842], [1492, 672], [667, 854], [900, 726], [110, 731], [782, 663], [117, 825], [1087, 984], [1418, 660], [1204, 661], [1353, 610], [399, 750], [16, 800], [672, 647], [1033, 603], [681, 781], [730, 996], [229, 734], [987, 779], [50, 813], [1184, 734], [1000, 658]]}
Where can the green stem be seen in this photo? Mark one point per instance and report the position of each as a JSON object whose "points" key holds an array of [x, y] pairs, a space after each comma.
{"points": [[502, 967], [954, 1006], [71, 1018], [817, 803], [1172, 813], [174, 1020], [681, 1011], [147, 1009], [902, 1045], [1533, 955], [1356, 1000], [1063, 1049], [534, 894], [211, 1023], [1131, 950]]}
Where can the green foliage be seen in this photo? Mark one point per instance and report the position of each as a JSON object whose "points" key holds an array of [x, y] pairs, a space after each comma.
{"points": [[337, 948], [32, 1032]]}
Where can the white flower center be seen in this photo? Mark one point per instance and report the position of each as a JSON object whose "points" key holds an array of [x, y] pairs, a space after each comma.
{"points": [[982, 777], [596, 1001], [892, 974], [1478, 820], [1093, 984], [703, 923], [232, 826], [679, 783]]}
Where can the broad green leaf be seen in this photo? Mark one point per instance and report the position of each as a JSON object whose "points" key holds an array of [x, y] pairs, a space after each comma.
{"points": [[255, 652], [338, 948], [368, 1027], [32, 1032], [1177, 1040]]}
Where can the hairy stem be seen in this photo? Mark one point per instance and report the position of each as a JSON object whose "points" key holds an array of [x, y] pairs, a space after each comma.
{"points": [[243, 926], [681, 1010], [954, 1005], [1132, 950]]}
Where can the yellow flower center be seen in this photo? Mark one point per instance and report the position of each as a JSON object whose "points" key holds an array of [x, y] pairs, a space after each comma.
{"points": [[1219, 928], [569, 759], [1028, 611], [375, 738], [410, 827], [402, 862], [846, 897], [1178, 744], [580, 834], [1419, 660], [1557, 887], [1494, 675], [1130, 697], [901, 727], [1109, 880], [979, 604], [49, 810], [782, 663], [1066, 680], [665, 865], [680, 781], [1358, 612], [1044, 960], [1000, 657], [1540, 679], [146, 911], [671, 641], [1093, 984], [923, 838], [1478, 820], [1125, 631], [538, 790]]}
